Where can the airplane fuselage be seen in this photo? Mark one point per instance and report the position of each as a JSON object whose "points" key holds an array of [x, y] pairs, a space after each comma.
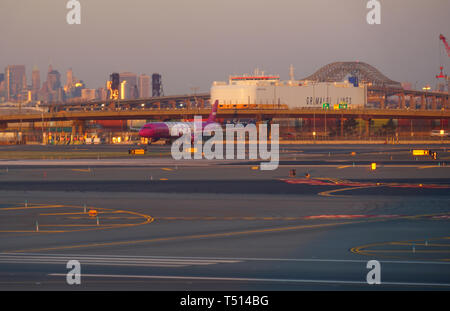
{"points": [[162, 130], [155, 131]]}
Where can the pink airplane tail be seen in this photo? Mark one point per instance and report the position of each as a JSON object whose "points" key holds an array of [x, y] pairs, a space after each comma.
{"points": [[212, 115]]}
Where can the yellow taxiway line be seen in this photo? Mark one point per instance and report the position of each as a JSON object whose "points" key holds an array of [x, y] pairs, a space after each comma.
{"points": [[329, 192], [190, 237]]}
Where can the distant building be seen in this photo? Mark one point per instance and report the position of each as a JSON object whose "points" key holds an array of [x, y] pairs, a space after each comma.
{"points": [[144, 86], [51, 89], [35, 83], [16, 81], [129, 89], [73, 86], [54, 80], [69, 78], [268, 91], [406, 86], [88, 94], [113, 86], [35, 79], [2, 86], [157, 87], [102, 93]]}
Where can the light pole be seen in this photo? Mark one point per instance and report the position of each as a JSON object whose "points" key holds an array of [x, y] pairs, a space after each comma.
{"points": [[426, 89], [314, 115]]}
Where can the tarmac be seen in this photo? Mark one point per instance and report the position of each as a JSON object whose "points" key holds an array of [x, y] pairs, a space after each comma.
{"points": [[161, 224]]}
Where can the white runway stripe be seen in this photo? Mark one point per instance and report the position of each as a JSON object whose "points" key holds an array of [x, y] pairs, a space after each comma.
{"points": [[110, 260], [231, 279], [222, 259]]}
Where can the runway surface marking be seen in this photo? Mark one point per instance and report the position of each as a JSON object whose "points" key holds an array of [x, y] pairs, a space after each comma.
{"points": [[287, 218], [236, 279], [347, 183], [90, 222], [187, 237], [129, 261], [125, 258], [408, 249], [353, 185], [428, 166], [367, 219], [329, 193], [81, 170], [167, 162]]}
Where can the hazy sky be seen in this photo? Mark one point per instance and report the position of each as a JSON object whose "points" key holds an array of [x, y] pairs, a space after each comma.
{"points": [[194, 42]]}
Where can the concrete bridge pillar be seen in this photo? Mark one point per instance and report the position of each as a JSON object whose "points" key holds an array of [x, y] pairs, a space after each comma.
{"points": [[412, 102], [367, 127], [202, 102], [77, 127], [423, 102], [188, 103], [402, 101], [434, 103], [382, 102]]}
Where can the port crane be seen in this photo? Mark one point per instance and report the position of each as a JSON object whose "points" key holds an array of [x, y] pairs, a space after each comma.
{"points": [[447, 47], [441, 75]]}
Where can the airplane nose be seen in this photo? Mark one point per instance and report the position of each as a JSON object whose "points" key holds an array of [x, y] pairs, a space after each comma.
{"points": [[145, 132]]}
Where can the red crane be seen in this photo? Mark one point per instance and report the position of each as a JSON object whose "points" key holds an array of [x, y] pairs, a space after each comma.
{"points": [[447, 48]]}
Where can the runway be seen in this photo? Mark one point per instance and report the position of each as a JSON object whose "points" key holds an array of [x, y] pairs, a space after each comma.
{"points": [[167, 225]]}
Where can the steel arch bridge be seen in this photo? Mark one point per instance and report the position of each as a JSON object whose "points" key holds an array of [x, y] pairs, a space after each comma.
{"points": [[339, 71]]}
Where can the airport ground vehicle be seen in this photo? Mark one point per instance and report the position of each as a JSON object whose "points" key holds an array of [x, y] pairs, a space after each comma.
{"points": [[440, 133]]}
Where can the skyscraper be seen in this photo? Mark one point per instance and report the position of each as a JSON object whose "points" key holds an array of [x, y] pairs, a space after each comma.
{"points": [[130, 88], [157, 89], [16, 81], [53, 79], [144, 86], [51, 89], [2, 85], [35, 82], [69, 78], [35, 79]]}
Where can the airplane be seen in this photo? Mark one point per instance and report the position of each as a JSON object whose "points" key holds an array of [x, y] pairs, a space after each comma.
{"points": [[155, 131]]}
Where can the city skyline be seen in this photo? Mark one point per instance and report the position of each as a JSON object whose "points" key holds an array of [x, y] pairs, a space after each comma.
{"points": [[207, 41], [16, 85]]}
